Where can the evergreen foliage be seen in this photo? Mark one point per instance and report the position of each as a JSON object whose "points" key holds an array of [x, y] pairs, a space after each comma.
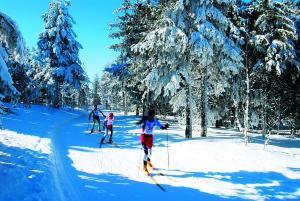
{"points": [[222, 63], [58, 52]]}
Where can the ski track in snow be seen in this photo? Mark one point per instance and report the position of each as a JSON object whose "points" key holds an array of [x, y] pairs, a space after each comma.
{"points": [[61, 176], [219, 167]]}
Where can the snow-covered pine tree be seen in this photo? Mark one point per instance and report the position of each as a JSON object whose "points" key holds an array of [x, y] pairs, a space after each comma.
{"points": [[83, 96], [160, 56], [111, 90], [6, 83], [144, 16], [105, 89], [58, 51], [241, 83], [189, 43], [271, 31], [122, 30], [21, 79], [239, 91], [215, 49], [12, 42], [290, 79], [141, 19], [36, 80], [130, 32], [96, 100]]}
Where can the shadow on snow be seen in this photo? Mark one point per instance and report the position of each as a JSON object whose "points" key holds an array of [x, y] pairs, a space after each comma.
{"points": [[267, 185]]}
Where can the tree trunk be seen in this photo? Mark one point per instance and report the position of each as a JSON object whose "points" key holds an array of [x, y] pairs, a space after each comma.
{"points": [[188, 107], [264, 126], [106, 104], [237, 120], [125, 109], [137, 110], [203, 105], [56, 94], [146, 104], [188, 128], [246, 112]]}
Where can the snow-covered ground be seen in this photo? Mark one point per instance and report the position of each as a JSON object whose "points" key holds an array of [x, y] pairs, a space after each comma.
{"points": [[45, 154]]}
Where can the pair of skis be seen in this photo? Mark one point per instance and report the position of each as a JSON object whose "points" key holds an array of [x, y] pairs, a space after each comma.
{"points": [[115, 144], [154, 180], [94, 132]]}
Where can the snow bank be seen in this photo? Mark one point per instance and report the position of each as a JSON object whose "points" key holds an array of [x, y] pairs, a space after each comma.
{"points": [[25, 167], [26, 153]]}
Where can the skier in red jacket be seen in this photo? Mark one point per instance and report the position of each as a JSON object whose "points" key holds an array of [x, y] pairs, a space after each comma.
{"points": [[108, 124]]}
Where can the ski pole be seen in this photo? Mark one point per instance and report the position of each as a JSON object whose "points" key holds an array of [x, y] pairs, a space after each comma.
{"points": [[1, 124], [88, 125], [139, 163], [168, 149]]}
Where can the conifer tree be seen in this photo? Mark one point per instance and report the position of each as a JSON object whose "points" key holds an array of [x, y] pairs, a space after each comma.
{"points": [[58, 51], [83, 96], [11, 43], [189, 43], [122, 31], [95, 91], [271, 32]]}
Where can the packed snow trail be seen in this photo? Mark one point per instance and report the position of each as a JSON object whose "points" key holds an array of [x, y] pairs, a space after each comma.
{"points": [[26, 155], [102, 170], [218, 167], [61, 177], [110, 173], [202, 168]]}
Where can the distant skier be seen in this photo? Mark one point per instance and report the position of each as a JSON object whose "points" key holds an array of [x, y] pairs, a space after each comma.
{"points": [[108, 125], [96, 117], [146, 138]]}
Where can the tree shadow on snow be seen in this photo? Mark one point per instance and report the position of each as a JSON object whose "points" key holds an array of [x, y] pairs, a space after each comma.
{"points": [[37, 120], [24, 175], [265, 185], [117, 187], [284, 143]]}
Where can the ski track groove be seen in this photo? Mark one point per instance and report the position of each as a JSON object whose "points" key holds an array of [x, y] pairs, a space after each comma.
{"points": [[61, 177]]}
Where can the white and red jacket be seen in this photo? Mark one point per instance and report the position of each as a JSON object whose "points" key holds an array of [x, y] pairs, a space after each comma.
{"points": [[108, 121]]}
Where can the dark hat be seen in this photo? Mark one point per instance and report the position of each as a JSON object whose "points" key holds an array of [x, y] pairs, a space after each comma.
{"points": [[151, 112]]}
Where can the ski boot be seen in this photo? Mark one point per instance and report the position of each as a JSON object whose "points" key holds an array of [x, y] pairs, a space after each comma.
{"points": [[102, 141], [149, 164], [110, 141], [145, 170]]}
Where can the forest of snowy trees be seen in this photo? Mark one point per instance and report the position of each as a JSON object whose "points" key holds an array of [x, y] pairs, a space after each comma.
{"points": [[210, 63], [229, 63], [50, 74]]}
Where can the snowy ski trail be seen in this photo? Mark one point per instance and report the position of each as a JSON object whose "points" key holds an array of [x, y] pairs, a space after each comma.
{"points": [[120, 160], [61, 177], [94, 173], [216, 168]]}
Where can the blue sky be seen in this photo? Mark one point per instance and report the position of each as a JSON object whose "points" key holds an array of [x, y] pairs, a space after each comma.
{"points": [[92, 18]]}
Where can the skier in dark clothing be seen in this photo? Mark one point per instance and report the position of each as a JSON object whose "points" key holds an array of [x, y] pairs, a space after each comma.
{"points": [[96, 117], [146, 138]]}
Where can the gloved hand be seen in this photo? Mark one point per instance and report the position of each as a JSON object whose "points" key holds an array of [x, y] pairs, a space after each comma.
{"points": [[166, 126]]}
